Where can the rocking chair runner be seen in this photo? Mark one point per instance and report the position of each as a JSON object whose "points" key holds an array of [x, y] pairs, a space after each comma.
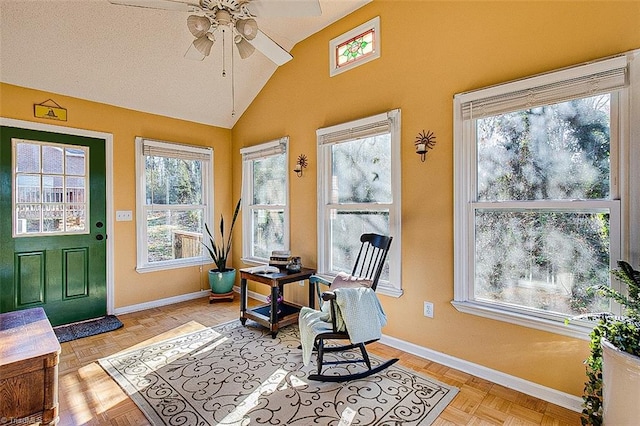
{"points": [[366, 273]]}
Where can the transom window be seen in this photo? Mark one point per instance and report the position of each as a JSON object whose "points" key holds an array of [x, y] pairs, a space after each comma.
{"points": [[173, 201], [50, 188], [356, 47], [539, 195], [359, 170], [265, 209]]}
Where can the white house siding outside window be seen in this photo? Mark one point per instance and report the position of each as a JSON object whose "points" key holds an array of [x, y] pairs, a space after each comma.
{"points": [[265, 200], [174, 199], [359, 177], [542, 194]]}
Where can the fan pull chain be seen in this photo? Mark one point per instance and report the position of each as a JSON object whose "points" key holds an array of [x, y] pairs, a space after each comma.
{"points": [[233, 85], [224, 72]]}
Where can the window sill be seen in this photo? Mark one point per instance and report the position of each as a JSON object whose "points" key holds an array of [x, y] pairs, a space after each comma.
{"points": [[174, 264], [254, 261], [578, 329]]}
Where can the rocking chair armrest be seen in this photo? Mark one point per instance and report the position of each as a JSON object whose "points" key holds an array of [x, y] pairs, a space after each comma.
{"points": [[317, 279], [328, 295]]}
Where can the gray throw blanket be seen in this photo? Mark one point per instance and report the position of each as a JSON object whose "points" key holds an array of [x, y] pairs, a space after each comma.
{"points": [[358, 311]]}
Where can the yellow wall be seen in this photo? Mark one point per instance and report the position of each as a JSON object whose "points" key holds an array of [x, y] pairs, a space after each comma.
{"points": [[131, 287], [430, 51]]}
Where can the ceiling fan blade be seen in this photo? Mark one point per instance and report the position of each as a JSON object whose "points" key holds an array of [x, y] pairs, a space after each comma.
{"points": [[284, 8], [270, 49], [179, 5]]}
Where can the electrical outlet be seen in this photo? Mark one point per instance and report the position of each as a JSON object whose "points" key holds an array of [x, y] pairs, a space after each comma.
{"points": [[428, 309], [301, 283]]}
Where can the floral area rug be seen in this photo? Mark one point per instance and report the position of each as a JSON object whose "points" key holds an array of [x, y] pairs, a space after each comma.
{"points": [[238, 375]]}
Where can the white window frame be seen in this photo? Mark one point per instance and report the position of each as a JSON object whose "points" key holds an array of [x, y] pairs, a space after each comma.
{"points": [[557, 86], [250, 154], [142, 207], [343, 133], [373, 24]]}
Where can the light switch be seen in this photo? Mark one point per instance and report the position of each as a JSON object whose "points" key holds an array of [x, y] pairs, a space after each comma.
{"points": [[124, 215]]}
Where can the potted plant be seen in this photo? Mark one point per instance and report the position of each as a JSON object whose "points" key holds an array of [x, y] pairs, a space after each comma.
{"points": [[613, 367], [222, 278]]}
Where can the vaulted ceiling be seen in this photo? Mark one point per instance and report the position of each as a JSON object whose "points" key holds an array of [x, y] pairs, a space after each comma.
{"points": [[133, 57]]}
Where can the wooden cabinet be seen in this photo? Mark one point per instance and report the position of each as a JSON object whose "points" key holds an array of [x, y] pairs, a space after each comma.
{"points": [[29, 352]]}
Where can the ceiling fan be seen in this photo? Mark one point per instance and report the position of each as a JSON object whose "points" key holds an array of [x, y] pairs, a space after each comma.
{"points": [[238, 16]]}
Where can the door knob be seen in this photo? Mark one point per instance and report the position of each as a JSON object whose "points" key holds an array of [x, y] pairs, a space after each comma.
{"points": [[99, 237]]}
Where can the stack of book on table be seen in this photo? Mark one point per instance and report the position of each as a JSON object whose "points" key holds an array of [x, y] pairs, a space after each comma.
{"points": [[279, 258]]}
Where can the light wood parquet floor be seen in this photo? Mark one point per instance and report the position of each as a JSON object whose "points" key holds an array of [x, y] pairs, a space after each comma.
{"points": [[88, 396]]}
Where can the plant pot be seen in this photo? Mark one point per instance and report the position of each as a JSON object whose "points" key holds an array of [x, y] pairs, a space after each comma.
{"points": [[620, 386], [222, 282]]}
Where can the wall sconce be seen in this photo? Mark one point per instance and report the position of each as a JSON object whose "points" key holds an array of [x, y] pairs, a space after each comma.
{"points": [[300, 164], [424, 142]]}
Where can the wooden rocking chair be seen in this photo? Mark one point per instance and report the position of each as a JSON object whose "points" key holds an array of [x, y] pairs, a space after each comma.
{"points": [[366, 272]]}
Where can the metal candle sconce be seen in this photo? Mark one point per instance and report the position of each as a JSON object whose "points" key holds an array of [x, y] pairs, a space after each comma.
{"points": [[300, 164], [424, 142]]}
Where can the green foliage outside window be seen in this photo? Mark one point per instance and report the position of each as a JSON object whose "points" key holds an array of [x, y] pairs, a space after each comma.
{"points": [[540, 257]]}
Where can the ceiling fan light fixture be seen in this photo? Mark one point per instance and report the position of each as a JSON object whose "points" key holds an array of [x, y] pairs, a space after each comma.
{"points": [[248, 28], [203, 44], [244, 47], [223, 17], [198, 25]]}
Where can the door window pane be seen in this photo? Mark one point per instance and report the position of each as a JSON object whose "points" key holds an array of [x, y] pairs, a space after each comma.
{"points": [[52, 157], [50, 183], [28, 189], [75, 162], [29, 155]]}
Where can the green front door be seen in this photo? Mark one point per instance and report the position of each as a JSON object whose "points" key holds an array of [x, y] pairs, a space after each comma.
{"points": [[52, 224]]}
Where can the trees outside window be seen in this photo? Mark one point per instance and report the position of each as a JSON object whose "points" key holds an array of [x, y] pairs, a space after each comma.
{"points": [[538, 195], [359, 170], [174, 201], [265, 178]]}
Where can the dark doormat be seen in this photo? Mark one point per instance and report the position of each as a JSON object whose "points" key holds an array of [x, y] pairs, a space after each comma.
{"points": [[78, 330]]}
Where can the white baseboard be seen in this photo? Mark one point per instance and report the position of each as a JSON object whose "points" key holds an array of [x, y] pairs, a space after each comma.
{"points": [[163, 302], [553, 396]]}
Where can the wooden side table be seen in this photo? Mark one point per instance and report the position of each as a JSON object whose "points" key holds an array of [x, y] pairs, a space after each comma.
{"points": [[268, 314], [29, 356]]}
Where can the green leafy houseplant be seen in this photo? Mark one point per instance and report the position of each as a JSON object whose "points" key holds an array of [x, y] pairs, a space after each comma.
{"points": [[220, 252], [623, 332]]}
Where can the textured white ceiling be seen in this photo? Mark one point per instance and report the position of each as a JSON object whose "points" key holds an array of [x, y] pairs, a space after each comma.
{"points": [[133, 57]]}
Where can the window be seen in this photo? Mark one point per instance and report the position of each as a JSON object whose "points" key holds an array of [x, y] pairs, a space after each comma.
{"points": [[265, 198], [540, 194], [358, 46], [359, 174], [50, 182], [174, 199]]}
